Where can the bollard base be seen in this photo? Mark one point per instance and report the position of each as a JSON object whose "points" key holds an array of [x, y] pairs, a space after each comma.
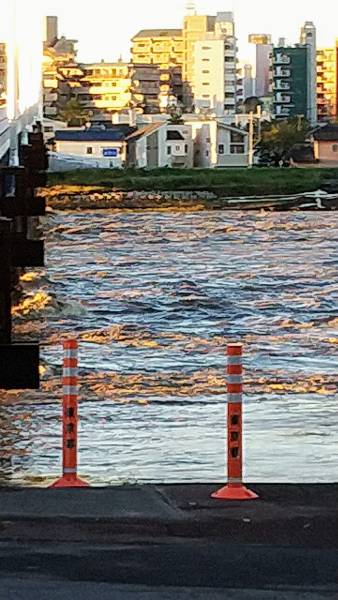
{"points": [[234, 492], [69, 482]]}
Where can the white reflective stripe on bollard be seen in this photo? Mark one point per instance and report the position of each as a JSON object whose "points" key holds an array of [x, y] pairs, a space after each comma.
{"points": [[233, 379], [70, 390], [235, 398]]}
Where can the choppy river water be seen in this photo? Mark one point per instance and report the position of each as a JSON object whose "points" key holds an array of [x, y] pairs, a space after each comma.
{"points": [[153, 299]]}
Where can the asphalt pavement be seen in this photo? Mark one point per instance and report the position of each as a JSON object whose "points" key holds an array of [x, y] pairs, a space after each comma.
{"points": [[169, 542], [25, 589]]}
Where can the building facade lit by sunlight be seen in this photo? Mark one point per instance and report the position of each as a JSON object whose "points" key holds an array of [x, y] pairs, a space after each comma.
{"points": [[20, 102]]}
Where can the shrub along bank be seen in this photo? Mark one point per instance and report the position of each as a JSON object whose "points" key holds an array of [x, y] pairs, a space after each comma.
{"points": [[222, 182]]}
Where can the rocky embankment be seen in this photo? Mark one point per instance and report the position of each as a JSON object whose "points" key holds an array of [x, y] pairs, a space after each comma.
{"points": [[65, 197]]}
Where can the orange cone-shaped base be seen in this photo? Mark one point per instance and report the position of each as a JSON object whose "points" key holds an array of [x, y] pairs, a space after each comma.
{"points": [[234, 492], [69, 481]]}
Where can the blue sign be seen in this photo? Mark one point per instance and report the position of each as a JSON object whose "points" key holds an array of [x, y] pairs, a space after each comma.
{"points": [[110, 152]]}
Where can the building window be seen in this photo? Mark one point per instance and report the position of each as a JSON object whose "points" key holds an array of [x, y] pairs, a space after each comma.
{"points": [[236, 138], [177, 148], [237, 149], [89, 150], [205, 83], [207, 153], [205, 59], [221, 149], [335, 148], [186, 148], [206, 71], [168, 150]]}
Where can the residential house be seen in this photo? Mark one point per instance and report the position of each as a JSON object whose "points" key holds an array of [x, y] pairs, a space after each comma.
{"points": [[325, 142], [161, 145], [104, 147], [219, 145]]}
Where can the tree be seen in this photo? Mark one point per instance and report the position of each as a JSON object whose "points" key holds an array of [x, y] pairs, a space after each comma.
{"points": [[251, 104], [73, 113], [279, 137]]}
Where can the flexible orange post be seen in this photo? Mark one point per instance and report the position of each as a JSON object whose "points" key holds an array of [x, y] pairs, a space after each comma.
{"points": [[235, 489], [69, 477]]}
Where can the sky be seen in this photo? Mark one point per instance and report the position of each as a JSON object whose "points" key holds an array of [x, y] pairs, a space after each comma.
{"points": [[104, 27]]}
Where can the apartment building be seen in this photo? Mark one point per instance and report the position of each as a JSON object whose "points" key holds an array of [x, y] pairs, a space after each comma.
{"points": [[59, 69], [146, 85], [105, 87], [195, 29], [308, 38], [290, 92], [213, 66], [161, 50], [3, 70], [327, 81], [263, 43]]}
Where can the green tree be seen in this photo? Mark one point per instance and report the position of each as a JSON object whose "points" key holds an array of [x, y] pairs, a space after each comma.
{"points": [[251, 104], [73, 113], [279, 137]]}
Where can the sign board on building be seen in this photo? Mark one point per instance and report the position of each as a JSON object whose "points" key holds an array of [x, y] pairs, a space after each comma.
{"points": [[110, 152]]}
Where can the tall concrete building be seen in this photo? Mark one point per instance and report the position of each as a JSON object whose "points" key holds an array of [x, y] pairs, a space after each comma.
{"points": [[163, 48], [51, 33], [290, 91], [327, 82], [245, 83], [3, 71], [195, 29], [264, 47], [308, 39], [105, 88], [214, 69]]}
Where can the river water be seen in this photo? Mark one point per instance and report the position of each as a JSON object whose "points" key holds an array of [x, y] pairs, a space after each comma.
{"points": [[153, 298]]}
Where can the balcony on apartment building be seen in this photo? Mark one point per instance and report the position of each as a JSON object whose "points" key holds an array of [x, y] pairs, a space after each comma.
{"points": [[282, 72], [282, 111], [280, 98], [281, 85], [281, 59]]}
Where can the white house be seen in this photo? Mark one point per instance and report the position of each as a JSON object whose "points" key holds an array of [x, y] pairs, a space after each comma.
{"points": [[161, 145], [219, 145], [105, 148]]}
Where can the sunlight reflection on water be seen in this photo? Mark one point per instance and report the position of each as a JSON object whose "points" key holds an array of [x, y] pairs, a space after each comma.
{"points": [[154, 298]]}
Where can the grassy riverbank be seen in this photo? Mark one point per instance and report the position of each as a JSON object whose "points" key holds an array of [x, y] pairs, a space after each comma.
{"points": [[223, 182]]}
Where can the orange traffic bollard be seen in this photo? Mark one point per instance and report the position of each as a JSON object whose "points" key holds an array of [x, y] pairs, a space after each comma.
{"points": [[69, 477], [235, 489]]}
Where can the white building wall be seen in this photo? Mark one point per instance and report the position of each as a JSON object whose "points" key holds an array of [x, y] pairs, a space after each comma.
{"points": [[209, 84], [73, 148], [204, 135], [141, 153]]}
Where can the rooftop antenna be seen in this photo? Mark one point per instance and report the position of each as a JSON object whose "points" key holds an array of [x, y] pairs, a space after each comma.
{"points": [[190, 7]]}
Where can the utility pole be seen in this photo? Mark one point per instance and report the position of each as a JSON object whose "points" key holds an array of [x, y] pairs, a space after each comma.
{"points": [[251, 139]]}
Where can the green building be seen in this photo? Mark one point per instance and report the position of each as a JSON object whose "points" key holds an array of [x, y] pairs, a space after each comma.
{"points": [[290, 72]]}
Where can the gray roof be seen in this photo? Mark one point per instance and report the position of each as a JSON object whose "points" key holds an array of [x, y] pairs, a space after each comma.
{"points": [[90, 135], [146, 33], [329, 133], [146, 130]]}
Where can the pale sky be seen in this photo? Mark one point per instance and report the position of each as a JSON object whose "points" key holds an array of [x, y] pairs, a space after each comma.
{"points": [[104, 27]]}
